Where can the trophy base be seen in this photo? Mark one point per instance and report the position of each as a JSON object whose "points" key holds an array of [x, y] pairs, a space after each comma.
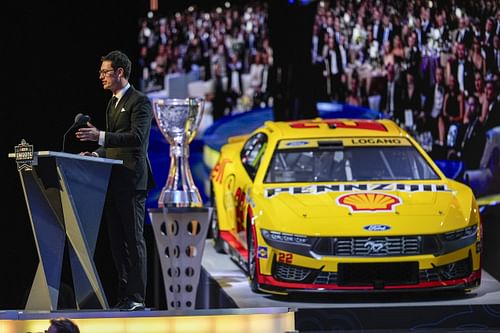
{"points": [[180, 199]]}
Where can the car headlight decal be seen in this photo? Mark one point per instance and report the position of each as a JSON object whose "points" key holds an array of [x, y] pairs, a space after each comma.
{"points": [[458, 239], [461, 233], [294, 243]]}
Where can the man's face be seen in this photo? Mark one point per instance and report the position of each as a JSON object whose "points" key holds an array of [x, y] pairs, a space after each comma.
{"points": [[107, 75], [439, 76], [489, 25], [490, 91], [478, 82], [471, 106]]}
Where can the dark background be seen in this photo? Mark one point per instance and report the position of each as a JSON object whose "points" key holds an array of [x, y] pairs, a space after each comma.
{"points": [[51, 55]]}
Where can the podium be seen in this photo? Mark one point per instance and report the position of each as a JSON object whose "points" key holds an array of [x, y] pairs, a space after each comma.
{"points": [[65, 196]]}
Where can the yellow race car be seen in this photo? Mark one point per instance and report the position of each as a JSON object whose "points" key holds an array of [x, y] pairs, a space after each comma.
{"points": [[342, 205]]}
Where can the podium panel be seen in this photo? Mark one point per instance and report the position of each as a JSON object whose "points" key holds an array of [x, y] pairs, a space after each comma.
{"points": [[65, 196]]}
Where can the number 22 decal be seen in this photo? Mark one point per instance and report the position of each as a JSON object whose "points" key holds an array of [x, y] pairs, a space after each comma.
{"points": [[285, 257]]}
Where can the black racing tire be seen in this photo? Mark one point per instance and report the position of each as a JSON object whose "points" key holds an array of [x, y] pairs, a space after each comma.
{"points": [[217, 241], [213, 230], [252, 262]]}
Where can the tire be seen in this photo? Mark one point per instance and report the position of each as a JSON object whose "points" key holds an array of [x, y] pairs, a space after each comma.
{"points": [[252, 262], [213, 231], [217, 241]]}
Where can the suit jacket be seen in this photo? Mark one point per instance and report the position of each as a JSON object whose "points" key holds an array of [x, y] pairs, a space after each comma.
{"points": [[398, 94], [491, 61], [380, 33], [429, 98], [466, 39], [127, 138], [493, 118], [468, 74]]}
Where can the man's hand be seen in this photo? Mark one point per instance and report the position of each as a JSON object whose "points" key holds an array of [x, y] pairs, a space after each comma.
{"points": [[89, 133], [88, 153]]}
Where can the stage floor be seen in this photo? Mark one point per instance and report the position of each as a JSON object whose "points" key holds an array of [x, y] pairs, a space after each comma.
{"points": [[235, 284], [387, 312]]}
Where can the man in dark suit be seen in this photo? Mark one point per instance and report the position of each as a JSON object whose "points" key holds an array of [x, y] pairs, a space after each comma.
{"points": [[462, 69], [377, 28], [434, 101], [464, 33], [390, 102], [490, 116], [493, 56], [334, 70], [128, 124]]}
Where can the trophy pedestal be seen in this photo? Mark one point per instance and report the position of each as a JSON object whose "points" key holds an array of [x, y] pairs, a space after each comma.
{"points": [[180, 235], [177, 198]]}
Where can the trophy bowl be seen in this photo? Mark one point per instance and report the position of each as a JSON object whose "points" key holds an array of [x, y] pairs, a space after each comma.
{"points": [[178, 120]]}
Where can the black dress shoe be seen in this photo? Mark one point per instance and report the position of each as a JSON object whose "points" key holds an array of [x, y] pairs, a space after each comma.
{"points": [[128, 305], [119, 304]]}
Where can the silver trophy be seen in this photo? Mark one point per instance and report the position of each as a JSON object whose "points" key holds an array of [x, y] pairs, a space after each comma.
{"points": [[178, 120]]}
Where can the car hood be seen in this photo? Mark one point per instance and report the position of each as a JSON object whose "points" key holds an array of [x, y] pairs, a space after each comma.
{"points": [[342, 212]]}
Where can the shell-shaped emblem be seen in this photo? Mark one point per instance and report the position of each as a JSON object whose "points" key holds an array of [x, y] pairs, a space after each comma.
{"points": [[369, 202]]}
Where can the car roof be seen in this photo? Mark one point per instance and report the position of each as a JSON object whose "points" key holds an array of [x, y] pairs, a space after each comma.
{"points": [[317, 128]]}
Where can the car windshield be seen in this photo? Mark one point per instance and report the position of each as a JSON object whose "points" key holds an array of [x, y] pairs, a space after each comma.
{"points": [[348, 163]]}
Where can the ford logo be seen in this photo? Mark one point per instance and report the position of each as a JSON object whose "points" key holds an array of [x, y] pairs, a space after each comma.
{"points": [[376, 227]]}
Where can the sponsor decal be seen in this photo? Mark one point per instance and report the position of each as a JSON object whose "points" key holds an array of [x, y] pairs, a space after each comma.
{"points": [[218, 171], [377, 141], [335, 123], [297, 143], [376, 227], [320, 189], [373, 202], [262, 252]]}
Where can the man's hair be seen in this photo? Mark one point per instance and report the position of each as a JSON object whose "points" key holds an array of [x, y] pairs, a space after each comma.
{"points": [[119, 59], [64, 325]]}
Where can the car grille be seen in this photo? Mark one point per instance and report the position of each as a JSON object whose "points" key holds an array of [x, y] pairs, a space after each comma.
{"points": [[326, 278], [368, 246], [373, 274], [284, 272], [456, 270]]}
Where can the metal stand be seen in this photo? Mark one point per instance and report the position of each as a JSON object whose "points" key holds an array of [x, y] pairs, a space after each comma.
{"points": [[180, 235]]}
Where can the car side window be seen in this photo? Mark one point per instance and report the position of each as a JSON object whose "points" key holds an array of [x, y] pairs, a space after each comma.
{"points": [[252, 153]]}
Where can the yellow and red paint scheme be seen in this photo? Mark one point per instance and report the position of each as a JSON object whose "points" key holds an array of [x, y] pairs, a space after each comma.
{"points": [[290, 236]]}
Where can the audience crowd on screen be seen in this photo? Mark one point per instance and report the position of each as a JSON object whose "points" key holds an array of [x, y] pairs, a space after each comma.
{"points": [[432, 66]]}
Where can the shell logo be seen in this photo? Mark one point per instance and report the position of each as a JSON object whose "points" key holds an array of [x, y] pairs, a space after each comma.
{"points": [[369, 202]]}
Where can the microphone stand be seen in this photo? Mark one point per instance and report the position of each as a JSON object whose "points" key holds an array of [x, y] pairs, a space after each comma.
{"points": [[80, 120]]}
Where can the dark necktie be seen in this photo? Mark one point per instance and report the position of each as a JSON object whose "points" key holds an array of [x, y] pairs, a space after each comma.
{"points": [[114, 99]]}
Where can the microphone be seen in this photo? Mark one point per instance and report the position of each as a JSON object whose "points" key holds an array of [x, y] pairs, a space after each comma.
{"points": [[80, 120]]}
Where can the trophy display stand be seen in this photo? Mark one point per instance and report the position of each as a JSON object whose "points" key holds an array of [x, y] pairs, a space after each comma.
{"points": [[65, 195], [180, 224], [180, 235]]}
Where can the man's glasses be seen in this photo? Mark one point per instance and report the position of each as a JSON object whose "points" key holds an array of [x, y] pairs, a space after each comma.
{"points": [[105, 72]]}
